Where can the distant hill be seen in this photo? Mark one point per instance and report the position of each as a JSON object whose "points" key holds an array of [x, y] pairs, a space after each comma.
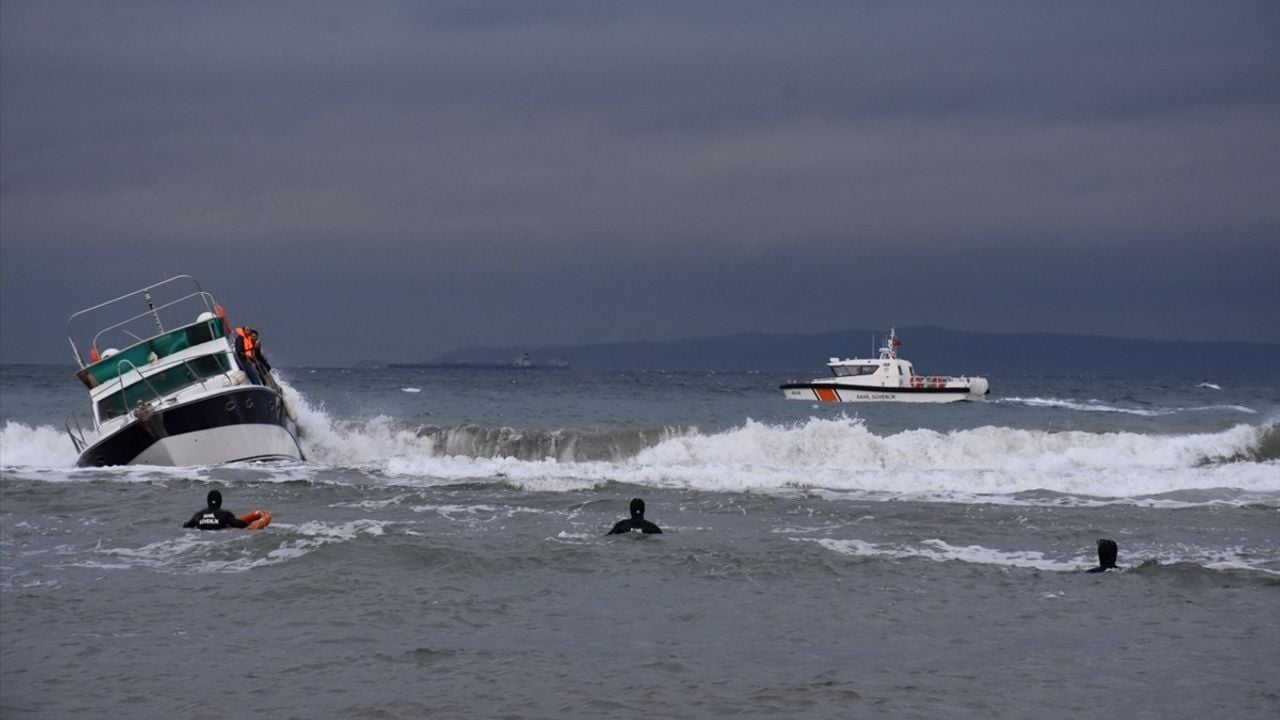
{"points": [[933, 350]]}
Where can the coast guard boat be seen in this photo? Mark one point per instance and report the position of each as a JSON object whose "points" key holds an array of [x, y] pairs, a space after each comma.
{"points": [[171, 387], [887, 378]]}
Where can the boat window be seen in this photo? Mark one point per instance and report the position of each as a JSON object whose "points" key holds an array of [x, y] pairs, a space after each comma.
{"points": [[164, 382], [848, 370]]}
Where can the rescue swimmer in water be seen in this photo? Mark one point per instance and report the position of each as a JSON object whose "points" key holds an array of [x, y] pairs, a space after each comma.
{"points": [[1108, 551], [636, 522], [213, 517]]}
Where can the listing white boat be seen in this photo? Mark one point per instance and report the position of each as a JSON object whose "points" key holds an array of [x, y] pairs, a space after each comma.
{"points": [[174, 384], [887, 378]]}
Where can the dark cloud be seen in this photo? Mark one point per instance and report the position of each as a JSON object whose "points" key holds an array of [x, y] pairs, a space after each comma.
{"points": [[418, 177]]}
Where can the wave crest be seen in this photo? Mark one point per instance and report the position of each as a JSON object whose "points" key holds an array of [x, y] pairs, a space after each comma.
{"points": [[1267, 449], [830, 454], [561, 445]]}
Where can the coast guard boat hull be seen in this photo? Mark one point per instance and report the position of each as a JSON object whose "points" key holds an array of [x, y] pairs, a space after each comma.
{"points": [[886, 378], [180, 392], [833, 392]]}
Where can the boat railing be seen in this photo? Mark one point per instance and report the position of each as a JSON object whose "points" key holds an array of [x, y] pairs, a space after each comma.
{"points": [[155, 348], [192, 371], [120, 371], [152, 310], [196, 376], [929, 381], [208, 299], [72, 425], [270, 381]]}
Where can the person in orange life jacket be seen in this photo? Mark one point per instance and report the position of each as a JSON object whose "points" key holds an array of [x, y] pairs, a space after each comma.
{"points": [[249, 351], [214, 517]]}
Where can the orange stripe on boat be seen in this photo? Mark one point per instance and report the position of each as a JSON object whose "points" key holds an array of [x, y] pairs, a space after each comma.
{"points": [[826, 394]]}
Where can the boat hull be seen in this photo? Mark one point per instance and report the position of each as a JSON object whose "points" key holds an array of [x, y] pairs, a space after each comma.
{"points": [[240, 424], [836, 393]]}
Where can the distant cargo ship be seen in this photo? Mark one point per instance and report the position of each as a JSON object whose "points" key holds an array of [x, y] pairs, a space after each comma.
{"points": [[520, 362]]}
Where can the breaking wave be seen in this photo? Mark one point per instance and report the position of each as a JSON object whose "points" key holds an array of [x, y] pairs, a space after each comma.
{"points": [[562, 445], [1268, 446], [839, 454]]}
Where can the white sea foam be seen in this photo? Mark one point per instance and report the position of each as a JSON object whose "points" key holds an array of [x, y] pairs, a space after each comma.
{"points": [[940, 551], [1254, 559], [44, 446], [191, 551], [1257, 560], [840, 454], [473, 512], [188, 552], [339, 531], [1102, 407], [843, 455], [375, 504]]}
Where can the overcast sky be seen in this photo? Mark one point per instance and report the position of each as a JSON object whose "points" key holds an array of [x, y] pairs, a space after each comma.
{"points": [[391, 180]]}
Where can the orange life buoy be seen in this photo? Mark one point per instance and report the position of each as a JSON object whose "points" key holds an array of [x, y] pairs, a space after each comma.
{"points": [[94, 356], [257, 519]]}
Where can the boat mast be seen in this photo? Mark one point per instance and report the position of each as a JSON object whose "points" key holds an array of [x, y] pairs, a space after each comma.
{"points": [[151, 307], [889, 350]]}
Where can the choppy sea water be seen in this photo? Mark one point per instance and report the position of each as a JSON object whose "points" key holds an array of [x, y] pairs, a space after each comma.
{"points": [[441, 553]]}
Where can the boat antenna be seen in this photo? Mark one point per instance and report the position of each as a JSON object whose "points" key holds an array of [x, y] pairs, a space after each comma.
{"points": [[151, 307]]}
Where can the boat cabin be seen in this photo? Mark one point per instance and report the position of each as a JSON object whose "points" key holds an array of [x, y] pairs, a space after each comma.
{"points": [[888, 366], [158, 367], [180, 340]]}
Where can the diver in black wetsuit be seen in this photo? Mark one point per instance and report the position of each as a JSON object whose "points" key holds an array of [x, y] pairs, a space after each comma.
{"points": [[1107, 553], [635, 522], [214, 517]]}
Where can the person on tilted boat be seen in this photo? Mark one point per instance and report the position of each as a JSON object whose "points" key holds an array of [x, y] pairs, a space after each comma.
{"points": [[246, 354], [214, 517], [258, 355], [1108, 551], [249, 351], [636, 522]]}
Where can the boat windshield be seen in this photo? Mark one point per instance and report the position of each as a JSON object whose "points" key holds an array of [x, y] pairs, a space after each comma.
{"points": [[166, 381], [160, 346], [846, 370]]}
